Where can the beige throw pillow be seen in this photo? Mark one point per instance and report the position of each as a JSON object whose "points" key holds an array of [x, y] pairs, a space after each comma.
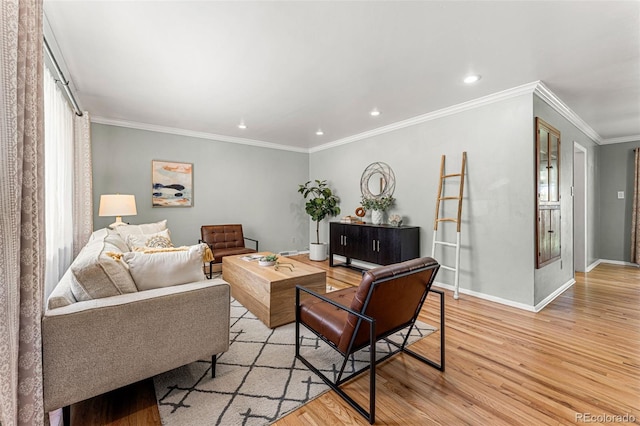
{"points": [[164, 269], [145, 228], [97, 274], [143, 240]]}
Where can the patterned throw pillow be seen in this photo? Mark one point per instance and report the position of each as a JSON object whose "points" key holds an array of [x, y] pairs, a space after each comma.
{"points": [[159, 241], [142, 240]]}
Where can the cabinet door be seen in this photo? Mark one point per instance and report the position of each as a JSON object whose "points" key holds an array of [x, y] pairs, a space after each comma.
{"points": [[548, 193], [554, 234], [544, 225], [548, 236], [554, 167], [369, 244], [390, 249], [337, 238], [352, 241]]}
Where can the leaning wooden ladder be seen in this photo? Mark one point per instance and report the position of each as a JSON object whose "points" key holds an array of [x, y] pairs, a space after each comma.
{"points": [[437, 220]]}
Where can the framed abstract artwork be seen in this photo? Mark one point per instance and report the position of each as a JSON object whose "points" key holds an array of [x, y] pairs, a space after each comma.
{"points": [[172, 184]]}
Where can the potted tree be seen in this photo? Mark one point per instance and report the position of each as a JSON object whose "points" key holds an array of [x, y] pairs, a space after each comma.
{"points": [[320, 203]]}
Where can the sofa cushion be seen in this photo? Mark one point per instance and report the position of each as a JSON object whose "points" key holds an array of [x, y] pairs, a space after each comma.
{"points": [[166, 268], [62, 294], [116, 240], [145, 228], [142, 240], [98, 275]]}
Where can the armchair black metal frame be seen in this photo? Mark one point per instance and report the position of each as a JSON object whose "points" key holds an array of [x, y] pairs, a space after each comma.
{"points": [[370, 322]]}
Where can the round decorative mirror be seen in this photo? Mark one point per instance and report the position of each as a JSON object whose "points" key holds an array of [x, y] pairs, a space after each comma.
{"points": [[377, 181]]}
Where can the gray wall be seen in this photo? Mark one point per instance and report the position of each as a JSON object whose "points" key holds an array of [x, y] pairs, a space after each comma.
{"points": [[497, 255], [550, 277], [233, 183], [616, 165], [257, 187]]}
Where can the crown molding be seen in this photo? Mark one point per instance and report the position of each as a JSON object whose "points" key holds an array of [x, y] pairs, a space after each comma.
{"points": [[536, 87], [632, 138], [194, 134], [455, 109], [561, 108]]}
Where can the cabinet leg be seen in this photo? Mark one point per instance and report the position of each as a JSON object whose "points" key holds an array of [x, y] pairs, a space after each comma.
{"points": [[66, 415]]}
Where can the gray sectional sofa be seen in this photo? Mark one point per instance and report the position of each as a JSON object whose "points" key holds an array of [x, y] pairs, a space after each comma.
{"points": [[100, 333]]}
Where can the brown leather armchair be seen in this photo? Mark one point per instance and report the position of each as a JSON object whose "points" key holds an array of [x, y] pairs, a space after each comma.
{"points": [[388, 299], [225, 240]]}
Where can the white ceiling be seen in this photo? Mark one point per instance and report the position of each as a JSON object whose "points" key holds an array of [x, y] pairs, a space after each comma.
{"points": [[290, 68]]}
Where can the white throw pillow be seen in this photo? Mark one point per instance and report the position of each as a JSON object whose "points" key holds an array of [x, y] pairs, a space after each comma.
{"points": [[142, 229], [141, 240], [164, 269]]}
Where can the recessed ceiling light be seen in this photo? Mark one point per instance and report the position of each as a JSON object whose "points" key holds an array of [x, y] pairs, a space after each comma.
{"points": [[374, 112], [242, 125], [472, 78], [319, 132]]}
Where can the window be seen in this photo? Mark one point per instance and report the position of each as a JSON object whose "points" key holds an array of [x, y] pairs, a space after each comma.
{"points": [[58, 166]]}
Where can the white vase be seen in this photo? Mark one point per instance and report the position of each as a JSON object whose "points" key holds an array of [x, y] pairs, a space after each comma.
{"points": [[377, 217], [318, 251]]}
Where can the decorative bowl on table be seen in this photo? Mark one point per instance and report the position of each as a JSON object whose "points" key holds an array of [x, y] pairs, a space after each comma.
{"points": [[268, 260]]}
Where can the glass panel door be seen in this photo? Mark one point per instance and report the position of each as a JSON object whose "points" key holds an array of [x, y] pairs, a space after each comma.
{"points": [[554, 167]]}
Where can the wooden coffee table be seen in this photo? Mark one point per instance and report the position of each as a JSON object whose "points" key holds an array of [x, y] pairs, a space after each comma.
{"points": [[267, 293]]}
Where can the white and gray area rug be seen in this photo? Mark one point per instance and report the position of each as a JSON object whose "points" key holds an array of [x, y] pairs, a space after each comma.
{"points": [[258, 380]]}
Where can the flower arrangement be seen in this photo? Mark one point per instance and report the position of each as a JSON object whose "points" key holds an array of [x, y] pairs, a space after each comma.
{"points": [[381, 204]]}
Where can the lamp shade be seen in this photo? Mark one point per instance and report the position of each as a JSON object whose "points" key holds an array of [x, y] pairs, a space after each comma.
{"points": [[117, 205]]}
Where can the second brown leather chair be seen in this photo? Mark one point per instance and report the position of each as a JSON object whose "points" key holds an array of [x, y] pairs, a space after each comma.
{"points": [[225, 240], [387, 300]]}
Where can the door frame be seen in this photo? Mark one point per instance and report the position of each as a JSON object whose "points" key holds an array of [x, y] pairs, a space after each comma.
{"points": [[582, 151]]}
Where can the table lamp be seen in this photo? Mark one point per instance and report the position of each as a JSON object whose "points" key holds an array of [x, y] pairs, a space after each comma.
{"points": [[117, 205]]}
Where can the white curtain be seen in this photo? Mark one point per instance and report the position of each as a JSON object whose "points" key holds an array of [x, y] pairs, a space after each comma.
{"points": [[58, 165]]}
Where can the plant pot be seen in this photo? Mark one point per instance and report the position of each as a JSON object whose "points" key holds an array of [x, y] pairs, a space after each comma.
{"points": [[377, 217], [318, 252], [266, 262]]}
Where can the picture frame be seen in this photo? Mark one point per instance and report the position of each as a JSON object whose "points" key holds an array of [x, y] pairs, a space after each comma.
{"points": [[171, 184]]}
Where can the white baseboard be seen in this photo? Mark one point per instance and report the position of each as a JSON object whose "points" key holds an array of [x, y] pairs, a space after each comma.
{"points": [[611, 262], [553, 295], [616, 262], [523, 306], [289, 253], [593, 265], [488, 297]]}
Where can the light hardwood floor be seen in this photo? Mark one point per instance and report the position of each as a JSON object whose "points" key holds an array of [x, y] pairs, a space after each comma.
{"points": [[578, 357]]}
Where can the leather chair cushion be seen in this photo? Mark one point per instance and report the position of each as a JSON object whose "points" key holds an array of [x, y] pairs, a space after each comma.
{"points": [[218, 254], [325, 318]]}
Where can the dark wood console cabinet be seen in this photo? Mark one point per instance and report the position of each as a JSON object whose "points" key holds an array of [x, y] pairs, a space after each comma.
{"points": [[379, 244]]}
